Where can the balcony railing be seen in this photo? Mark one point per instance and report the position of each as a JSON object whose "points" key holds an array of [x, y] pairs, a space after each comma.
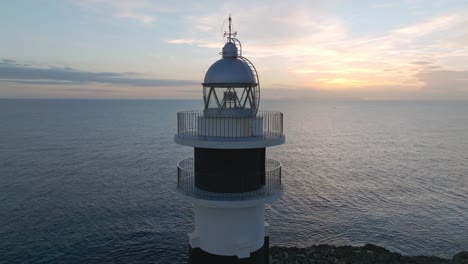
{"points": [[231, 127], [186, 183]]}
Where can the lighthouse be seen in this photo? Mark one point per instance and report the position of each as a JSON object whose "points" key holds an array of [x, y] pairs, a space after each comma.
{"points": [[229, 179]]}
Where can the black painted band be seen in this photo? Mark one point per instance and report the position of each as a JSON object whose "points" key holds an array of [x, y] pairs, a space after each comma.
{"points": [[229, 170]]}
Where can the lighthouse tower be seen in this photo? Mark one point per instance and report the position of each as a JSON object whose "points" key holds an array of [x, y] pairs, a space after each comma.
{"points": [[229, 179]]}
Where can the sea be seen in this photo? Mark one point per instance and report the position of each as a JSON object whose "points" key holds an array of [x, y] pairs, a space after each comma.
{"points": [[94, 181]]}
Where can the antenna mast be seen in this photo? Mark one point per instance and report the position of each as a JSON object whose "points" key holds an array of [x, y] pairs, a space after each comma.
{"points": [[231, 34]]}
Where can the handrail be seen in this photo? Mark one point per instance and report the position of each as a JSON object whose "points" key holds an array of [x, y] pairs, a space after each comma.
{"points": [[256, 80], [186, 183], [230, 125]]}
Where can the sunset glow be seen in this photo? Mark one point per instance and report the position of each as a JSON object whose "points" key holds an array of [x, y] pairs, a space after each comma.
{"points": [[406, 49]]}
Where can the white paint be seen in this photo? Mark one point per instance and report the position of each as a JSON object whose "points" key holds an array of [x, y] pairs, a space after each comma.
{"points": [[257, 201], [229, 143], [266, 226], [230, 232], [194, 239], [228, 127]]}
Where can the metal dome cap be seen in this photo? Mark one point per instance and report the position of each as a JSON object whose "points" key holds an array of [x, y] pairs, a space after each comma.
{"points": [[229, 50], [229, 71]]}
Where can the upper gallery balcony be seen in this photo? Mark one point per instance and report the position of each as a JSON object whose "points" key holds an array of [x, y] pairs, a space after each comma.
{"points": [[230, 129]]}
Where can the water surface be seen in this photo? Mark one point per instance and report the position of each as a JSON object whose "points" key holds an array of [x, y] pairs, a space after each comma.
{"points": [[93, 181]]}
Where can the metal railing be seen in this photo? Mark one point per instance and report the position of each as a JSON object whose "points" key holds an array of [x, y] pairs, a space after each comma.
{"points": [[186, 183], [229, 126]]}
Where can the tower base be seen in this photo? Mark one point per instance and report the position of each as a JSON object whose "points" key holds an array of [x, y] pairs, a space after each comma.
{"points": [[261, 256]]}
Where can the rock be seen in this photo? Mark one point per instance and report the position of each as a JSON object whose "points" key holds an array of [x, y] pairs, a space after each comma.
{"points": [[376, 249], [369, 254], [461, 258], [425, 260]]}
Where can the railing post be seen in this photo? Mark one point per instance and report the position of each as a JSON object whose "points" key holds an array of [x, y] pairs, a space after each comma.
{"points": [[281, 126]]}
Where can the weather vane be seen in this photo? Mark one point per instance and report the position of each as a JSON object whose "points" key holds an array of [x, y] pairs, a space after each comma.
{"points": [[231, 34]]}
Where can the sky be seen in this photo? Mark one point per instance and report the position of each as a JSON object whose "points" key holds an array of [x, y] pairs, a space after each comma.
{"points": [[157, 49]]}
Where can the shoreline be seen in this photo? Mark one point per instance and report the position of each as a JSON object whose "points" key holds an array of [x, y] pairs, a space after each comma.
{"points": [[368, 254]]}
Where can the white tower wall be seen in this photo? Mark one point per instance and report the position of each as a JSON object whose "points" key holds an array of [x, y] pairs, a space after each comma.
{"points": [[229, 231]]}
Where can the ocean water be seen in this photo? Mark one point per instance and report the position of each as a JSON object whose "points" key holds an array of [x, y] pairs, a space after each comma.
{"points": [[93, 181]]}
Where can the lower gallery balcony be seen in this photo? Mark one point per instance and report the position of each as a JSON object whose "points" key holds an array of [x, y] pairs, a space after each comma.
{"points": [[270, 185]]}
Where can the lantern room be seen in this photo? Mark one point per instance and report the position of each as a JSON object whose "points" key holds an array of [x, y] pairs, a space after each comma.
{"points": [[231, 86]]}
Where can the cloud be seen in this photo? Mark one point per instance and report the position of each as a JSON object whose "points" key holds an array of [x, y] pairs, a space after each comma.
{"points": [[423, 63], [140, 10], [9, 61], [40, 82], [441, 84], [138, 16], [199, 43], [369, 93], [87, 90], [383, 5], [319, 49], [444, 80], [431, 26], [16, 73], [308, 42], [144, 11]]}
